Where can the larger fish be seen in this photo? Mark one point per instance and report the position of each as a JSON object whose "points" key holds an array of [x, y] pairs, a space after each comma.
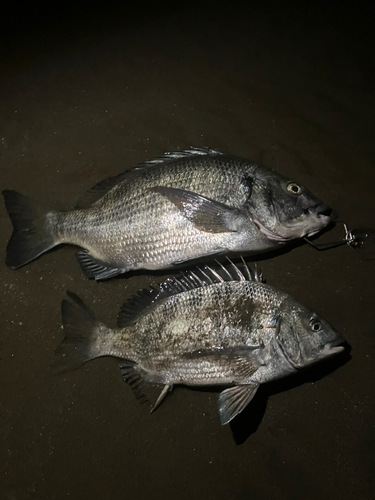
{"points": [[209, 327], [167, 211]]}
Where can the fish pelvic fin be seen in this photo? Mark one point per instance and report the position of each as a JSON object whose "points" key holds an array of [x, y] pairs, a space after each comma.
{"points": [[83, 335], [235, 399], [30, 236], [167, 388]]}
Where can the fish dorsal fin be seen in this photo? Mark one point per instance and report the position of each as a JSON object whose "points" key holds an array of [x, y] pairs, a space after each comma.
{"points": [[206, 275], [177, 155], [99, 190]]}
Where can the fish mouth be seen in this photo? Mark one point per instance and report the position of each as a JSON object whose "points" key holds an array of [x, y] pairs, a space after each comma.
{"points": [[334, 347], [323, 215], [298, 227], [311, 221], [317, 216]]}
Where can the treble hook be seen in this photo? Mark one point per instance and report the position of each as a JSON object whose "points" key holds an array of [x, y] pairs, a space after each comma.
{"points": [[355, 239]]}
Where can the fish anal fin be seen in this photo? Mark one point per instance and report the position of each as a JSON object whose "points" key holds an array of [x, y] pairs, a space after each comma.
{"points": [[235, 399], [207, 215], [134, 377], [95, 269]]}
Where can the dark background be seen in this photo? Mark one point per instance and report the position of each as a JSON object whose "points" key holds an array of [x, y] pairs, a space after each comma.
{"points": [[87, 92]]}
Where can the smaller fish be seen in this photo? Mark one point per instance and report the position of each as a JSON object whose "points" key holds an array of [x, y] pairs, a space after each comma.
{"points": [[208, 327]]}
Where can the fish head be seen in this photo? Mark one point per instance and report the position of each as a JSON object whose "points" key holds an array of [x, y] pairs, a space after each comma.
{"points": [[304, 337], [282, 209]]}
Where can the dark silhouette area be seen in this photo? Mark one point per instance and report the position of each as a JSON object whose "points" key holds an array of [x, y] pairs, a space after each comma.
{"points": [[247, 422]]}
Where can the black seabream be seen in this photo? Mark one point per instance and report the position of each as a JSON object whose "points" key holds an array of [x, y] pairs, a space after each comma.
{"points": [[209, 327], [167, 211]]}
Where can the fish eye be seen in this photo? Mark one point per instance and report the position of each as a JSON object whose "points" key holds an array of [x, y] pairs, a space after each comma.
{"points": [[315, 325], [294, 188]]}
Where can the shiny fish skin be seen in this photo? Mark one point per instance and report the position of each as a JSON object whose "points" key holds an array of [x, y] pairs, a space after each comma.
{"points": [[208, 327], [168, 211]]}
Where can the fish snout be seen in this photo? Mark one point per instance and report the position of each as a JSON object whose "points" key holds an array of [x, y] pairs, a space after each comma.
{"points": [[322, 210]]}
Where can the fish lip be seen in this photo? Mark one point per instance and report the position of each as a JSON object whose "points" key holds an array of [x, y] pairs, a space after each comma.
{"points": [[336, 342], [334, 347], [336, 350], [333, 350]]}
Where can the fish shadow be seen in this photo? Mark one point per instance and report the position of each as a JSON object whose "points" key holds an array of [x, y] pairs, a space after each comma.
{"points": [[248, 421]]}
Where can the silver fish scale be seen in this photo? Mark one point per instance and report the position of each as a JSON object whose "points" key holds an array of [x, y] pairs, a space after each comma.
{"points": [[209, 319], [117, 226]]}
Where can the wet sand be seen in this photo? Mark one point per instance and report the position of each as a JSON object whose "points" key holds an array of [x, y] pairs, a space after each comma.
{"points": [[87, 94]]}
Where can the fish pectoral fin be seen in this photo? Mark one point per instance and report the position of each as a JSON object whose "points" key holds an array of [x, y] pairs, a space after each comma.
{"points": [[167, 388], [235, 399], [206, 215], [95, 269]]}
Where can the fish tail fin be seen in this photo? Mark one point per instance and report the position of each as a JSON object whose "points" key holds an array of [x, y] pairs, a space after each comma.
{"points": [[30, 237], [83, 333]]}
